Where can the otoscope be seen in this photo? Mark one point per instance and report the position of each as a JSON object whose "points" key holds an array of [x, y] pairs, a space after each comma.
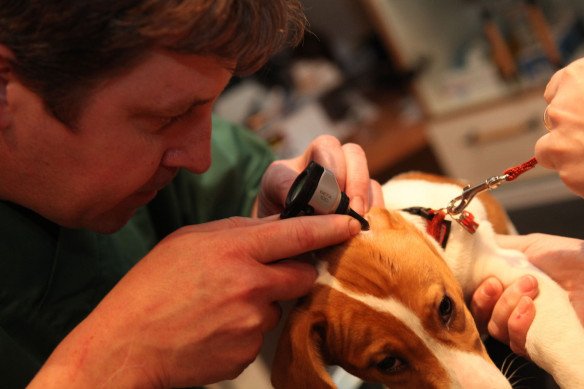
{"points": [[316, 191]]}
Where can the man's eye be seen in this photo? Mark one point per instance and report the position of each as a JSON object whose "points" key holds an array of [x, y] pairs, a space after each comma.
{"points": [[175, 119], [168, 121]]}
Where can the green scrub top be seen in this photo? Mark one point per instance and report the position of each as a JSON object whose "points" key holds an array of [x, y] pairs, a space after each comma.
{"points": [[52, 277]]}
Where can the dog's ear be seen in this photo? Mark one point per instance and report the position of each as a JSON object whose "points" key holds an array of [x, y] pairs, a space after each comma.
{"points": [[383, 219], [299, 361]]}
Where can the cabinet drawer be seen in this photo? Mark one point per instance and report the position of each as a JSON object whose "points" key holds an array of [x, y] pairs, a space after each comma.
{"points": [[484, 143]]}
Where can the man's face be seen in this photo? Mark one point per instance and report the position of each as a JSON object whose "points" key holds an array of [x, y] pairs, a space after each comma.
{"points": [[135, 131]]}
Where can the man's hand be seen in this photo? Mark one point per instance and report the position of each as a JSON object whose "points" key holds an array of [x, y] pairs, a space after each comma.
{"points": [[347, 162], [512, 309], [195, 309]]}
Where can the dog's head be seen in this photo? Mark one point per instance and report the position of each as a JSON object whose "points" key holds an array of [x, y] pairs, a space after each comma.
{"points": [[387, 309]]}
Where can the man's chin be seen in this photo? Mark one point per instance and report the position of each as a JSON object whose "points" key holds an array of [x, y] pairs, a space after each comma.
{"points": [[107, 229], [110, 223]]}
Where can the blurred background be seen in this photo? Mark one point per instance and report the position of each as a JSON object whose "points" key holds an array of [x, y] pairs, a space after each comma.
{"points": [[451, 87]]}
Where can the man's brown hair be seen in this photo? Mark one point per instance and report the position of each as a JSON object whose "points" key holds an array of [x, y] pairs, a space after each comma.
{"points": [[63, 48]]}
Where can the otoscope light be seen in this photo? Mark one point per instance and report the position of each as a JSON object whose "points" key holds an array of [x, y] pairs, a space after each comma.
{"points": [[316, 191]]}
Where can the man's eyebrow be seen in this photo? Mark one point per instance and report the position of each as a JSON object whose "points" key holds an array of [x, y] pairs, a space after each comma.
{"points": [[171, 108]]}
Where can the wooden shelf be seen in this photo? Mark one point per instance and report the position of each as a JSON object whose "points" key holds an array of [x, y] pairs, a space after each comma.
{"points": [[392, 137]]}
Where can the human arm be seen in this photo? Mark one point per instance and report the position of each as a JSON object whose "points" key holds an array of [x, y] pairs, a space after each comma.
{"points": [[560, 258], [228, 195], [195, 309]]}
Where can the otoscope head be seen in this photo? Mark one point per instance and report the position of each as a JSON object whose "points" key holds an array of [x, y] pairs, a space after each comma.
{"points": [[316, 191]]}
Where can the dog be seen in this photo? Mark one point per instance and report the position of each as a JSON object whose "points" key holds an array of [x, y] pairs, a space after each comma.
{"points": [[389, 305]]}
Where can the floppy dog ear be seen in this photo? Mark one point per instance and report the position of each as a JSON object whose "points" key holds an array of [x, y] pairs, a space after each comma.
{"points": [[299, 362]]}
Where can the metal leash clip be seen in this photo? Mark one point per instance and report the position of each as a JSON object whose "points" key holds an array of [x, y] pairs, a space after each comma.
{"points": [[459, 204]]}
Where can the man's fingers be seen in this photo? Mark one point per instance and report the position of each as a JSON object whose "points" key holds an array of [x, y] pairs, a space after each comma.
{"points": [[229, 223], [498, 325], [291, 237], [484, 300], [357, 179], [276, 183], [326, 150], [292, 279], [519, 323], [552, 87], [271, 317], [375, 194]]}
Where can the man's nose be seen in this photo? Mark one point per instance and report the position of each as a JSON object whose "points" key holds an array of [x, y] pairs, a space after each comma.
{"points": [[192, 150]]}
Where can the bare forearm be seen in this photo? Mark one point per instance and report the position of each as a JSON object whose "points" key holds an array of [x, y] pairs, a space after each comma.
{"points": [[87, 358]]}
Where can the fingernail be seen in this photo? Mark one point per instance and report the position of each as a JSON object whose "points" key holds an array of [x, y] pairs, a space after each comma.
{"points": [[357, 204], [490, 289], [527, 284], [354, 227]]}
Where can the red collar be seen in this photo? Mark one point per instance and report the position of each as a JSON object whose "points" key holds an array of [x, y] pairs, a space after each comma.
{"points": [[436, 224]]}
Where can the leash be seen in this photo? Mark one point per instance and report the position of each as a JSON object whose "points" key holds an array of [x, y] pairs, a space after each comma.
{"points": [[437, 225], [458, 204]]}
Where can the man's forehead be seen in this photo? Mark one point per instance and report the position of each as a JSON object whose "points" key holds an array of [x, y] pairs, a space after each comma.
{"points": [[170, 83]]}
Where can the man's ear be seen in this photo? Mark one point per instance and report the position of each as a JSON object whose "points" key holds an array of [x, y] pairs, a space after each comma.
{"points": [[6, 75]]}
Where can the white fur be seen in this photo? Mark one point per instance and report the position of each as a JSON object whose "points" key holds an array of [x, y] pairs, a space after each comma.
{"points": [[555, 340], [466, 370]]}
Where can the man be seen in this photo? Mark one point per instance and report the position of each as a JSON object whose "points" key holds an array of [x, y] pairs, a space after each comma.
{"points": [[105, 114]]}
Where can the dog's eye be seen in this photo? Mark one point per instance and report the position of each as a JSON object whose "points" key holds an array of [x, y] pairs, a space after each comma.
{"points": [[445, 309], [390, 365]]}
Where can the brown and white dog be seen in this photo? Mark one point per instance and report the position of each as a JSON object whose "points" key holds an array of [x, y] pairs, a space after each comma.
{"points": [[389, 305]]}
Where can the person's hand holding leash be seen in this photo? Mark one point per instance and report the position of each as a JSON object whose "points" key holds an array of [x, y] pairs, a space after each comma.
{"points": [[562, 148]]}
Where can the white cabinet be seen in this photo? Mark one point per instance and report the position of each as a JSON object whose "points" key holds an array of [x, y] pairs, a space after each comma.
{"points": [[485, 142], [480, 124]]}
